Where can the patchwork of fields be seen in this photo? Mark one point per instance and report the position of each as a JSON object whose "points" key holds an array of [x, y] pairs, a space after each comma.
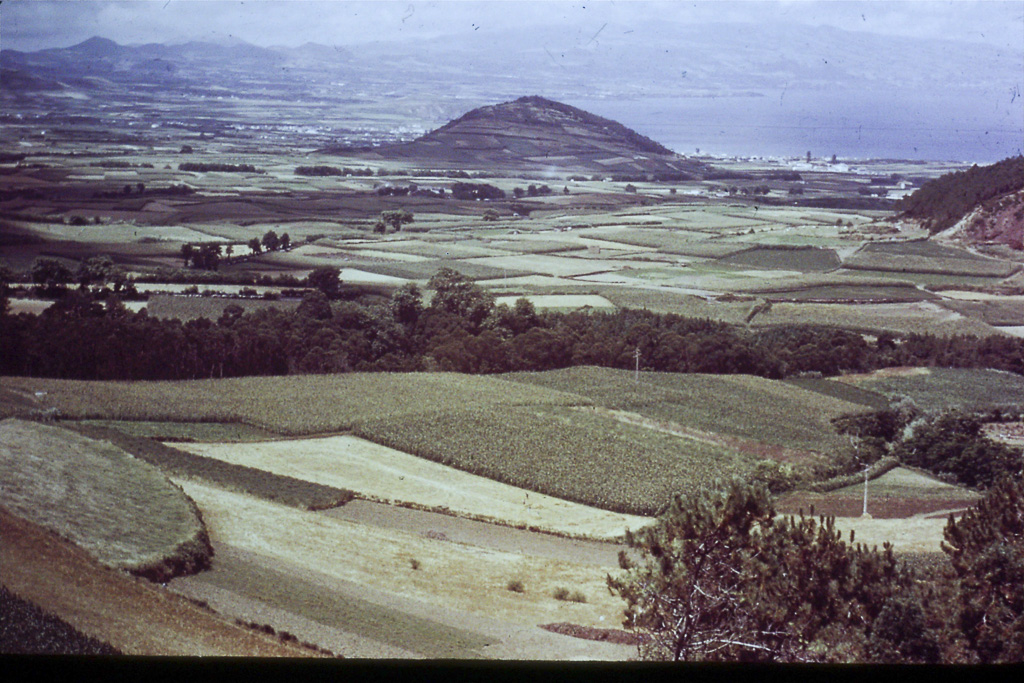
{"points": [[555, 451]]}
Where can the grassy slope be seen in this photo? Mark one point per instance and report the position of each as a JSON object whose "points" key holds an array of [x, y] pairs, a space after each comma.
{"points": [[121, 510]]}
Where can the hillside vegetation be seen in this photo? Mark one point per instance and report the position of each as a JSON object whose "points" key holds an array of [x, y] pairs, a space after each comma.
{"points": [[940, 203]]}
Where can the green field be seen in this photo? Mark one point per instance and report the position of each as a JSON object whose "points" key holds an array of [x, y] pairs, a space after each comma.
{"points": [[563, 452], [762, 410], [295, 404], [805, 260], [942, 388]]}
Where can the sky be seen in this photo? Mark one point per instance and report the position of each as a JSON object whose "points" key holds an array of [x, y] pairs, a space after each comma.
{"points": [[38, 24]]}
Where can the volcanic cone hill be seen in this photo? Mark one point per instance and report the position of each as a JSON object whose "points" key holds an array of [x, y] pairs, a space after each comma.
{"points": [[537, 133]]}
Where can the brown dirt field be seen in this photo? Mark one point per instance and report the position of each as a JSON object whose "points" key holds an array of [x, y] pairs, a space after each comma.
{"points": [[130, 614]]}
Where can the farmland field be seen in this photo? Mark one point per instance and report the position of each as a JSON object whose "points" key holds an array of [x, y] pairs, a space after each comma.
{"points": [[563, 453], [296, 404], [941, 388], [898, 494], [764, 411], [306, 495], [451, 576], [376, 472]]}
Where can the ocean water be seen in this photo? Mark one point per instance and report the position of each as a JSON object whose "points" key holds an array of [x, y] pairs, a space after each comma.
{"points": [[971, 126]]}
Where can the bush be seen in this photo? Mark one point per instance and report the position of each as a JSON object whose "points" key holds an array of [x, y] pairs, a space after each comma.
{"points": [[563, 593], [516, 586]]}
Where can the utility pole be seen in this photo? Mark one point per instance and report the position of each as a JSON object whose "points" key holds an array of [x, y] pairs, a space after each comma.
{"points": [[865, 513], [636, 355]]}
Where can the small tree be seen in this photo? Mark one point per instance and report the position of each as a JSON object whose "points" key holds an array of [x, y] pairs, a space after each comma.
{"points": [[392, 219], [255, 246], [407, 304], [271, 241], [51, 275], [325, 279], [286, 241]]}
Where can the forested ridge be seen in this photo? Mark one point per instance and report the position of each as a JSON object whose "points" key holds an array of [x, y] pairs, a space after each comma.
{"points": [[940, 203], [461, 330]]}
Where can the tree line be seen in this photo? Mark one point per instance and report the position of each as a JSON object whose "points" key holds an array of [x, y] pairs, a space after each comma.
{"points": [[460, 330]]}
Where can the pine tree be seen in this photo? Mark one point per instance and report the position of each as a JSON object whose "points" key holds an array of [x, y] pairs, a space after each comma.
{"points": [[986, 548], [720, 578]]}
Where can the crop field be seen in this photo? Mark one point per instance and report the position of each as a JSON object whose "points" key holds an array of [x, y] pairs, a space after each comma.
{"points": [[295, 404], [805, 260], [380, 473], [900, 493], [941, 388], [920, 248], [919, 317], [546, 264], [122, 511], [563, 453], [866, 259], [761, 410], [992, 311], [845, 292], [424, 270], [185, 431], [843, 391]]}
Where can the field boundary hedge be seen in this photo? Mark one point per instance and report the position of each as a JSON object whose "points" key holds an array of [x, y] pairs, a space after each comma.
{"points": [[876, 470]]}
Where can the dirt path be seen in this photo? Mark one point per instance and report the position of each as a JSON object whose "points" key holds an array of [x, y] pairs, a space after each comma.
{"points": [[130, 614]]}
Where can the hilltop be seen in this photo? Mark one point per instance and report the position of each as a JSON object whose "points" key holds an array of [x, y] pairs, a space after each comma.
{"points": [[538, 133]]}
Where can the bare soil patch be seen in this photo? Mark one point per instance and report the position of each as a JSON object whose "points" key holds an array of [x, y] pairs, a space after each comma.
{"points": [[464, 531]]}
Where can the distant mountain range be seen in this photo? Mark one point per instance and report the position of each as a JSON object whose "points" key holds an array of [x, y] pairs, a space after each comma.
{"points": [[537, 133], [671, 60], [840, 78]]}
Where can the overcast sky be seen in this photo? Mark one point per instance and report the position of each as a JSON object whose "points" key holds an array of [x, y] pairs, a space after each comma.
{"points": [[38, 24]]}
